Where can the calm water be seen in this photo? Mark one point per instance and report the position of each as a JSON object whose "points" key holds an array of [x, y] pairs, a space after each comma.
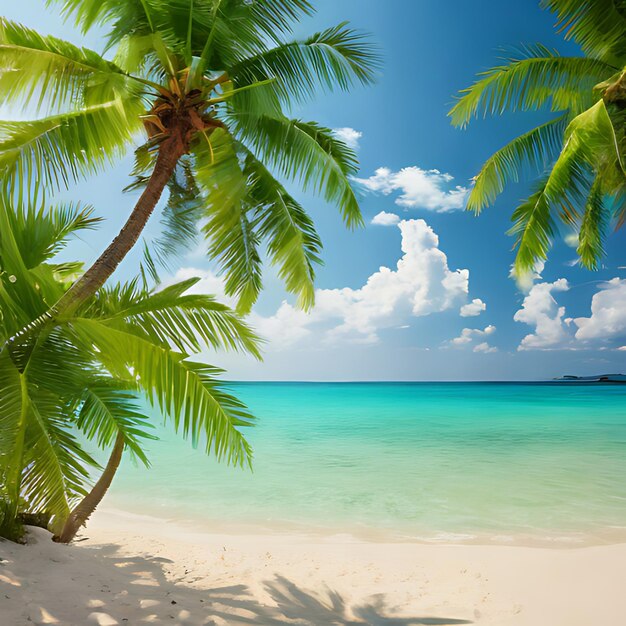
{"points": [[410, 460]]}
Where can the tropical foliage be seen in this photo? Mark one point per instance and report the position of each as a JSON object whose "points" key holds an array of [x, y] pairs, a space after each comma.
{"points": [[580, 152], [93, 371], [201, 89]]}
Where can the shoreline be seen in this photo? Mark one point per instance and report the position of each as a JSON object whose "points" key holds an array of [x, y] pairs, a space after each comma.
{"points": [[111, 517], [132, 569]]}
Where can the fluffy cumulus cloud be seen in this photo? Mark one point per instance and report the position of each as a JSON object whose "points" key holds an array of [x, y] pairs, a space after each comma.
{"points": [[385, 219], [541, 310], [419, 285], [418, 188], [473, 308], [349, 136], [608, 314], [604, 328], [468, 337]]}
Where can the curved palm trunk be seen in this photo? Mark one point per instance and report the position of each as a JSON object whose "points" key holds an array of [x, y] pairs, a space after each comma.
{"points": [[170, 152], [81, 513]]}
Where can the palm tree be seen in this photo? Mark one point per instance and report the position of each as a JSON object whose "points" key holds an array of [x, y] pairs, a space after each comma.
{"points": [[580, 151], [203, 86], [85, 373]]}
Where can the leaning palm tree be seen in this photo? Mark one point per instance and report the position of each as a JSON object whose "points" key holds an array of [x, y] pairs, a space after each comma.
{"points": [[86, 373], [580, 153], [200, 90]]}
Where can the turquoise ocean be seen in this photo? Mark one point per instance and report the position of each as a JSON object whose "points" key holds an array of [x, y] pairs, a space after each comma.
{"points": [[404, 461]]}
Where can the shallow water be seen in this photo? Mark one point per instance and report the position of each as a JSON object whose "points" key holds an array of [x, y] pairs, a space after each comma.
{"points": [[412, 461]]}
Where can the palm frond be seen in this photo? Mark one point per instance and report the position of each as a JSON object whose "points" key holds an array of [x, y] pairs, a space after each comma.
{"points": [[335, 58], [534, 227], [231, 235], [534, 149], [187, 392], [239, 29], [598, 26], [180, 217], [55, 465], [530, 79], [88, 13], [593, 229], [172, 317], [63, 148], [41, 232], [234, 243], [110, 407], [308, 153], [54, 74], [589, 146], [293, 244], [13, 412], [564, 190], [41, 462]]}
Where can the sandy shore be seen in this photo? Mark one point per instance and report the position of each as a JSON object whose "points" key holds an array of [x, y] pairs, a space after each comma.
{"points": [[134, 570]]}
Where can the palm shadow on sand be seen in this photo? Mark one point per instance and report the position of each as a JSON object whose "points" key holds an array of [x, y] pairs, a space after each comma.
{"points": [[139, 585]]}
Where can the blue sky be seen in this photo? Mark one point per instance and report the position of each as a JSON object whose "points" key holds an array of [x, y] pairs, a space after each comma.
{"points": [[410, 322]]}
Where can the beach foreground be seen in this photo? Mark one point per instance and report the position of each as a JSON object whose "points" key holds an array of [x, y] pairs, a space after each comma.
{"points": [[135, 570]]}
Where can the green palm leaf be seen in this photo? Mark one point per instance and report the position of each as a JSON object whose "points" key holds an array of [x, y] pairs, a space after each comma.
{"points": [[335, 58], [228, 228], [308, 153], [170, 317], [56, 150], [593, 229], [55, 73], [41, 232], [109, 407], [55, 470], [589, 144], [234, 242], [293, 244], [534, 149], [40, 460], [532, 78], [598, 26], [187, 392], [534, 226]]}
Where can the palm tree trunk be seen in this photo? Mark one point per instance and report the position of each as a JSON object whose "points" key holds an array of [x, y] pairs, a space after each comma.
{"points": [[170, 152], [81, 513]]}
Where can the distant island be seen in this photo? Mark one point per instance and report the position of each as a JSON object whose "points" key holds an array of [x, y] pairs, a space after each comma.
{"points": [[600, 378]]}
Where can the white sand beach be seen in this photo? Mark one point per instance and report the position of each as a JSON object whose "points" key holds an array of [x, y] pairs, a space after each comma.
{"points": [[147, 571]]}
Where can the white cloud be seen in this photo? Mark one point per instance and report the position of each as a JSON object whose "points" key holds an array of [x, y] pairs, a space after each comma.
{"points": [[526, 280], [540, 309], [485, 348], [385, 219], [469, 334], [286, 327], [421, 284], [349, 136], [473, 308], [608, 314], [208, 283], [419, 189]]}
